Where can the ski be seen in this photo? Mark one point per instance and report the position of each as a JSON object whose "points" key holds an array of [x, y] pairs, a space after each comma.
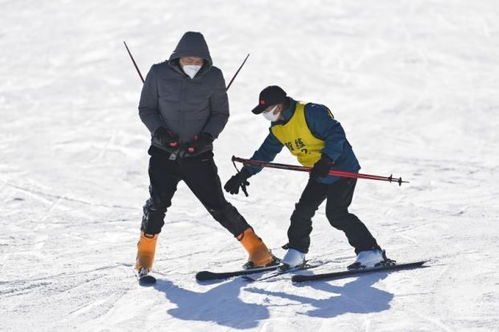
{"points": [[350, 273], [281, 272], [144, 278], [210, 275]]}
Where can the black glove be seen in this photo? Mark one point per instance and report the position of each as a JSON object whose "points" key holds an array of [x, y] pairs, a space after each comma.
{"points": [[165, 137], [235, 182], [322, 167], [198, 143]]}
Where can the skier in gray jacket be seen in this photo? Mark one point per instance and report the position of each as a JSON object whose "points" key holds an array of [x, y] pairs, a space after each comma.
{"points": [[184, 105], [186, 96]]}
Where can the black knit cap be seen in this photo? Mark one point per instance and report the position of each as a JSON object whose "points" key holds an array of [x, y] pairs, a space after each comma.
{"points": [[271, 95]]}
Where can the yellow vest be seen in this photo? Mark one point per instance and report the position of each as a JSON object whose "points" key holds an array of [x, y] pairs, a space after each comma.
{"points": [[298, 138]]}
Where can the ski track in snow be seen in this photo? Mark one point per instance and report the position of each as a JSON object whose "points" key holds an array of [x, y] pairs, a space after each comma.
{"points": [[413, 83]]}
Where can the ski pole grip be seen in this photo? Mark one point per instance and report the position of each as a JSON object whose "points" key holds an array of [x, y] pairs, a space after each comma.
{"points": [[243, 186]]}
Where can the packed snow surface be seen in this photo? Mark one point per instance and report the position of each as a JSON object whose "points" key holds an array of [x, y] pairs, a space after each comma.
{"points": [[414, 83]]}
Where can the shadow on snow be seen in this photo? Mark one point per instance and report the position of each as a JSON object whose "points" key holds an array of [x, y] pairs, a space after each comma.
{"points": [[223, 306], [357, 296], [220, 305]]}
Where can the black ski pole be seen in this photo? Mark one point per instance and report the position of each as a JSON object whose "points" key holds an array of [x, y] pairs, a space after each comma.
{"points": [[237, 72], [135, 64], [142, 78]]}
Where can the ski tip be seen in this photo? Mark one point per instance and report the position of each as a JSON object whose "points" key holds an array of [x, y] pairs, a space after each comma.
{"points": [[204, 275], [201, 275], [147, 280], [415, 264]]}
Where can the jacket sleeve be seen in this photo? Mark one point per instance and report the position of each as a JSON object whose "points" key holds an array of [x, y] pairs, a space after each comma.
{"points": [[219, 108], [148, 105], [267, 152], [325, 127]]}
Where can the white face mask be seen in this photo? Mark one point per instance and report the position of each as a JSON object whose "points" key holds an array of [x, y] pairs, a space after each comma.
{"points": [[191, 70], [270, 115]]}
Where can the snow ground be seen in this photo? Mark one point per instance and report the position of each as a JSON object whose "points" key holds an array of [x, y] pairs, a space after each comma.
{"points": [[414, 83]]}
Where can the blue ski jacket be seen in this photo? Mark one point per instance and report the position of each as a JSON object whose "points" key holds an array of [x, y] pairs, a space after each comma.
{"points": [[323, 126]]}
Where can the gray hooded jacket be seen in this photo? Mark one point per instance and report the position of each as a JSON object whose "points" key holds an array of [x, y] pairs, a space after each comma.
{"points": [[185, 106]]}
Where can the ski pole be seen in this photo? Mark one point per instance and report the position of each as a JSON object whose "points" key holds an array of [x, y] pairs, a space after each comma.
{"points": [[142, 78], [342, 174], [237, 72], [243, 186], [135, 64]]}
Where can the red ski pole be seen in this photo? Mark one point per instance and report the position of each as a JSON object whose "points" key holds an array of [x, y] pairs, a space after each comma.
{"points": [[342, 174]]}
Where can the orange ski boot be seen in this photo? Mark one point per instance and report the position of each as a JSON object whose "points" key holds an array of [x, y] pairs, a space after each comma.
{"points": [[259, 254], [146, 247]]}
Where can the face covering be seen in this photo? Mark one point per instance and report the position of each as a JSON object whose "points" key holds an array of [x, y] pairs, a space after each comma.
{"points": [[270, 115], [191, 70]]}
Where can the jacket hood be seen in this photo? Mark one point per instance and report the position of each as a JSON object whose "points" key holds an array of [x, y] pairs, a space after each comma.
{"points": [[192, 44]]}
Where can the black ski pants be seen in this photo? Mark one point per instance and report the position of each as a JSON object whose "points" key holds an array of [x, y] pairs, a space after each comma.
{"points": [[200, 174], [339, 196]]}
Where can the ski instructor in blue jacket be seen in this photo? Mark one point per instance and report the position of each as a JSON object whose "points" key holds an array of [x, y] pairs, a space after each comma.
{"points": [[310, 132]]}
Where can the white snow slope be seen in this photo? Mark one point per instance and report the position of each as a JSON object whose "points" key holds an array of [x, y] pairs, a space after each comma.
{"points": [[414, 83]]}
